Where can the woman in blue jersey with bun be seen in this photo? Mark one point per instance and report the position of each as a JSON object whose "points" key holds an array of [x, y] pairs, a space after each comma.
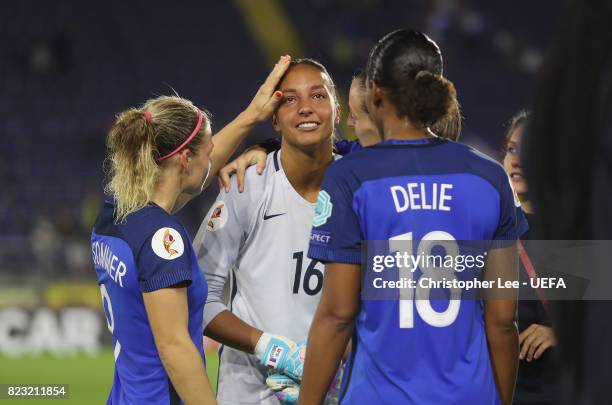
{"points": [[428, 193], [161, 155]]}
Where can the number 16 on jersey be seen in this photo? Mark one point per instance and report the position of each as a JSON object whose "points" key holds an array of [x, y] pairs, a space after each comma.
{"points": [[311, 273]]}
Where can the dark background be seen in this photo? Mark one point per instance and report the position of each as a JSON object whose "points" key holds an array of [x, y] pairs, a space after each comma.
{"points": [[67, 67]]}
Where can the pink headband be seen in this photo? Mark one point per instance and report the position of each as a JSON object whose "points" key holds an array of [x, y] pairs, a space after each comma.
{"points": [[189, 138], [148, 116]]}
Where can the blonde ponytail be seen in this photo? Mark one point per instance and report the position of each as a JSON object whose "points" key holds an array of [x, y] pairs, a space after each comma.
{"points": [[133, 171], [137, 139]]}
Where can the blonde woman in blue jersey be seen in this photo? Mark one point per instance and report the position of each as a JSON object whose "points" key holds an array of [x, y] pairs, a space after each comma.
{"points": [[161, 155], [423, 192]]}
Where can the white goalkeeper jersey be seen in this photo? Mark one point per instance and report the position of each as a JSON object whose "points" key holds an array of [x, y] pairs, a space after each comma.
{"points": [[258, 241]]}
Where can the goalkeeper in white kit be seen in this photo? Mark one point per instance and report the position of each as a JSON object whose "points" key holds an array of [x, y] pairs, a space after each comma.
{"points": [[258, 241]]}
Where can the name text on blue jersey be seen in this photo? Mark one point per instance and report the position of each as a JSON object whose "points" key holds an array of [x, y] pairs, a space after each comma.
{"points": [[422, 196], [103, 256]]}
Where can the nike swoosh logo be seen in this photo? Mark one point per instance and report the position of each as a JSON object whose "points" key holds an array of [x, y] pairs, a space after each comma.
{"points": [[273, 215]]}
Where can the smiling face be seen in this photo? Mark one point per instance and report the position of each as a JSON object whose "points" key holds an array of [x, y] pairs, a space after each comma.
{"points": [[512, 161], [308, 111]]}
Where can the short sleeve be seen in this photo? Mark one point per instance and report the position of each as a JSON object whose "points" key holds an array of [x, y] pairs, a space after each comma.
{"points": [[344, 147], [221, 236], [164, 259], [336, 232], [512, 222]]}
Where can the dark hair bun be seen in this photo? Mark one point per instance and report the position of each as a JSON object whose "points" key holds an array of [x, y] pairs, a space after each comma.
{"points": [[426, 99]]}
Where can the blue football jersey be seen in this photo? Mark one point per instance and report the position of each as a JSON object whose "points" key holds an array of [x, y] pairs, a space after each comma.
{"points": [[417, 351], [149, 251]]}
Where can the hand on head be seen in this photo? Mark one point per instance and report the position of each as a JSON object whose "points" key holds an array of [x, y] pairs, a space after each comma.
{"points": [[266, 100]]}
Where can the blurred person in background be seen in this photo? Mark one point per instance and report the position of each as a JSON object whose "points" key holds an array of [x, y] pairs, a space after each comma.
{"points": [[46, 245], [153, 292], [448, 127], [366, 131], [537, 375], [568, 157]]}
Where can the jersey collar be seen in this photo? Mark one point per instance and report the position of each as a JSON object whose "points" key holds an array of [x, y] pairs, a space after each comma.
{"points": [[412, 142]]}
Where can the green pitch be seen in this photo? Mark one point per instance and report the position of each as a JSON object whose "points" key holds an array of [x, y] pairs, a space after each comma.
{"points": [[89, 377]]}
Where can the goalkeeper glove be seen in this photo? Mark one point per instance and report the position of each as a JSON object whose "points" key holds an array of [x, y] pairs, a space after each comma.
{"points": [[285, 389], [282, 354]]}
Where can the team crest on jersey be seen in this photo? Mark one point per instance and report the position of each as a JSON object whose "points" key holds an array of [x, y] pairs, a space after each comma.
{"points": [[517, 201], [323, 209], [218, 216], [167, 243]]}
